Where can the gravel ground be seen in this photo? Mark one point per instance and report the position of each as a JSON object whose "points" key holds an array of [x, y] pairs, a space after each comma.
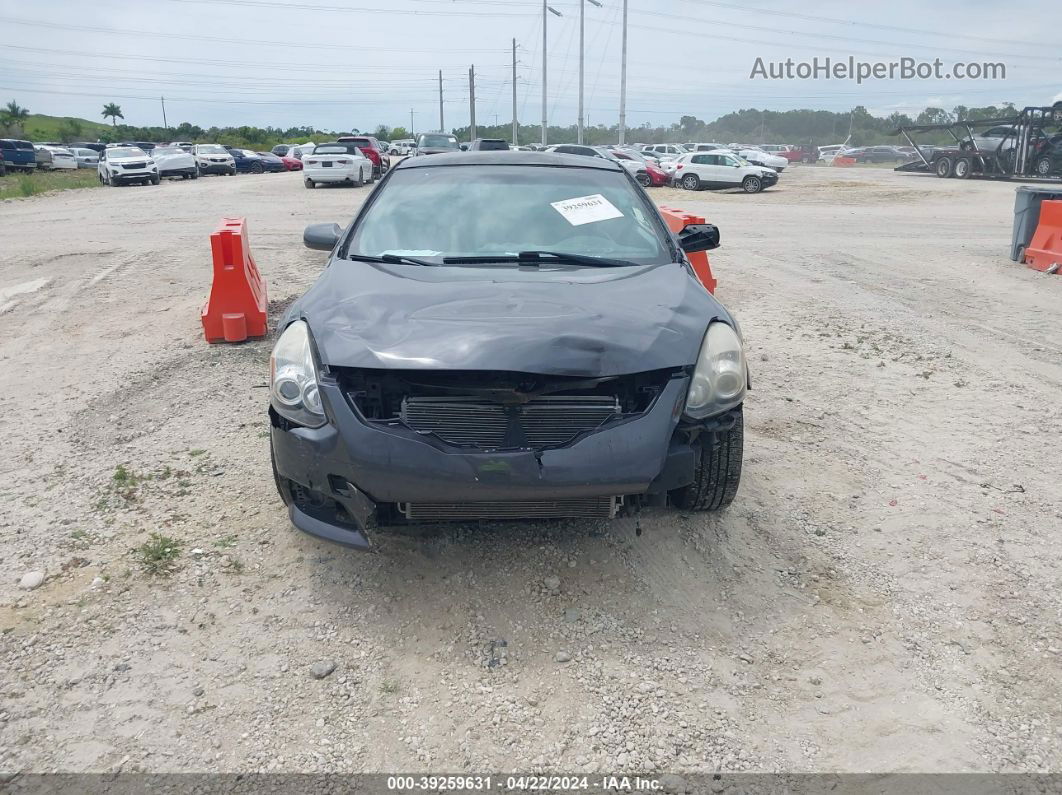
{"points": [[884, 595]]}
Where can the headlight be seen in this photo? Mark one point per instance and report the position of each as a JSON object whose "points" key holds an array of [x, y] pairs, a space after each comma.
{"points": [[295, 394], [720, 375]]}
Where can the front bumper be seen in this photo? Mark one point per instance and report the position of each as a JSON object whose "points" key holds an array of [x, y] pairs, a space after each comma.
{"points": [[217, 168], [133, 176], [178, 172], [358, 465]]}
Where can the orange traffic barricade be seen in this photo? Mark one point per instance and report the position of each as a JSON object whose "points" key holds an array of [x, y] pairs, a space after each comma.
{"points": [[1044, 252], [676, 221], [236, 309], [841, 160]]}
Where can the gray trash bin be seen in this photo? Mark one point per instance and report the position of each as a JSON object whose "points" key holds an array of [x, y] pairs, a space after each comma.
{"points": [[1027, 200]]}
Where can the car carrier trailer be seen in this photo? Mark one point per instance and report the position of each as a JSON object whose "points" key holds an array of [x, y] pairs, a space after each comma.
{"points": [[1031, 147]]}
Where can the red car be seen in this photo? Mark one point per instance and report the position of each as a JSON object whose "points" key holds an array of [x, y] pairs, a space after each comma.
{"points": [[657, 176], [370, 147], [291, 163]]}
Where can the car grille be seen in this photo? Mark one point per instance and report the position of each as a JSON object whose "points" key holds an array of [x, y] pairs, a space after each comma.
{"points": [[591, 508], [542, 422], [134, 165]]}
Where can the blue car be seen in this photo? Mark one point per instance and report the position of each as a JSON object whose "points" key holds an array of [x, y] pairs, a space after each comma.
{"points": [[247, 162], [271, 162], [18, 154]]}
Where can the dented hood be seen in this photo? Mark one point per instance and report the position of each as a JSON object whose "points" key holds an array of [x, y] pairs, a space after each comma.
{"points": [[557, 320]]}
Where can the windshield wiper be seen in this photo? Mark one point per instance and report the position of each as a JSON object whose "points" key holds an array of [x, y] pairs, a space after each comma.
{"points": [[540, 257], [394, 259]]}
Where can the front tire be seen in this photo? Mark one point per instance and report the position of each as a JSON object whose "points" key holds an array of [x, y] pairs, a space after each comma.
{"points": [[155, 180], [309, 184], [752, 184], [644, 180], [717, 471], [257, 168], [691, 182], [943, 167], [1043, 167]]}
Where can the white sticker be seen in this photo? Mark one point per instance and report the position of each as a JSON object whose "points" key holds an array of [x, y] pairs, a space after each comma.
{"points": [[586, 209]]}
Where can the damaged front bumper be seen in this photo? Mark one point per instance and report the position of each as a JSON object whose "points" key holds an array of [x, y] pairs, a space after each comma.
{"points": [[343, 478]]}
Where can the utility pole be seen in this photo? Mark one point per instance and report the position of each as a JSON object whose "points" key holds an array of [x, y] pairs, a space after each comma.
{"points": [[442, 126], [472, 102], [516, 128], [544, 18], [582, 28], [623, 82], [411, 123], [582, 59], [164, 124]]}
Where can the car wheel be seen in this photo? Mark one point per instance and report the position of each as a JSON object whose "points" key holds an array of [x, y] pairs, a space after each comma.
{"points": [[717, 471], [943, 167], [691, 182], [752, 184], [962, 168], [257, 168], [195, 174], [155, 180], [309, 183], [361, 178], [644, 180], [1043, 167]]}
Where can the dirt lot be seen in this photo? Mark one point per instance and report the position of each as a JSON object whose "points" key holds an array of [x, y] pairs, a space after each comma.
{"points": [[885, 594]]}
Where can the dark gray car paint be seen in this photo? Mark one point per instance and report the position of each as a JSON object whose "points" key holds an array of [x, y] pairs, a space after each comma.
{"points": [[556, 320]]}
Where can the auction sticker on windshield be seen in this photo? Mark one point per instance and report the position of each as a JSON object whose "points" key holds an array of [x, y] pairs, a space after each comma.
{"points": [[586, 209]]}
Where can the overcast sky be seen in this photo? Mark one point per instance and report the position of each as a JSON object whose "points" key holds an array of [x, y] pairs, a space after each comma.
{"points": [[338, 64]]}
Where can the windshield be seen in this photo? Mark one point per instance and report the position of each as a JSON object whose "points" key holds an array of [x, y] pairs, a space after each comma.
{"points": [[125, 152], [436, 212], [437, 142], [212, 149]]}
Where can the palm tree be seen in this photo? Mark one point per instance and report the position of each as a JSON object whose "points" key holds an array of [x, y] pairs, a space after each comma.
{"points": [[13, 113], [113, 112]]}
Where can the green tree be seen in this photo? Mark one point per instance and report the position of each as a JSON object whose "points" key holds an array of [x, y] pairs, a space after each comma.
{"points": [[112, 112], [13, 113]]}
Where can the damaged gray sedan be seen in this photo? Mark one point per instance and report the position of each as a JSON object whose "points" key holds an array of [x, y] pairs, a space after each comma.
{"points": [[507, 335]]}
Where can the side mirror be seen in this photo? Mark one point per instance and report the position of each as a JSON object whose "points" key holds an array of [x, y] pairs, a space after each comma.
{"points": [[699, 237], [322, 237]]}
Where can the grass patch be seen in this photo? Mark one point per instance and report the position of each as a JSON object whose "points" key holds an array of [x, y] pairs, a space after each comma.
{"points": [[20, 186], [227, 542], [389, 686], [158, 555]]}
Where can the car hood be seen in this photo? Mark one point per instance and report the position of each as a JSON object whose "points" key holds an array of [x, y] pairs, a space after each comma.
{"points": [[557, 320], [182, 157]]}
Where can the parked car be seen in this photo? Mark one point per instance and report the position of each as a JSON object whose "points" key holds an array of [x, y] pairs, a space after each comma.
{"points": [[436, 143], [341, 161], [703, 147], [648, 174], [95, 146], [295, 151], [722, 169], [246, 161], [760, 158], [489, 145], [402, 146], [829, 152], [173, 161], [86, 158], [121, 165], [877, 154], [504, 381], [42, 157], [291, 163], [214, 159], [371, 148], [187, 146], [272, 163], [62, 158], [666, 150], [576, 149]]}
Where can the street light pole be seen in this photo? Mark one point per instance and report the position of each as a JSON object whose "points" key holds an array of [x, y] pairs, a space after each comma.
{"points": [[515, 127]]}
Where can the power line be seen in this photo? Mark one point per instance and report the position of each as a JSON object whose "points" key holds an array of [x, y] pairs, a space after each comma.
{"points": [[355, 9]]}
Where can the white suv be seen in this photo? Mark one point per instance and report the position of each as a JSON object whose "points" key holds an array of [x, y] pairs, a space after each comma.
{"points": [[716, 170], [121, 164]]}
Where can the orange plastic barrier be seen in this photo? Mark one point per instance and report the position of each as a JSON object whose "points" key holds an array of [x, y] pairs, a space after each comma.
{"points": [[236, 309], [676, 221], [843, 161], [1044, 252]]}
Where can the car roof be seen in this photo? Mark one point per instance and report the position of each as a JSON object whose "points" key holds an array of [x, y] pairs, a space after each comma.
{"points": [[513, 157]]}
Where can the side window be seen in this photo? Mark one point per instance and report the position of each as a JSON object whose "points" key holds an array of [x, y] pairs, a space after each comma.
{"points": [[700, 160]]}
